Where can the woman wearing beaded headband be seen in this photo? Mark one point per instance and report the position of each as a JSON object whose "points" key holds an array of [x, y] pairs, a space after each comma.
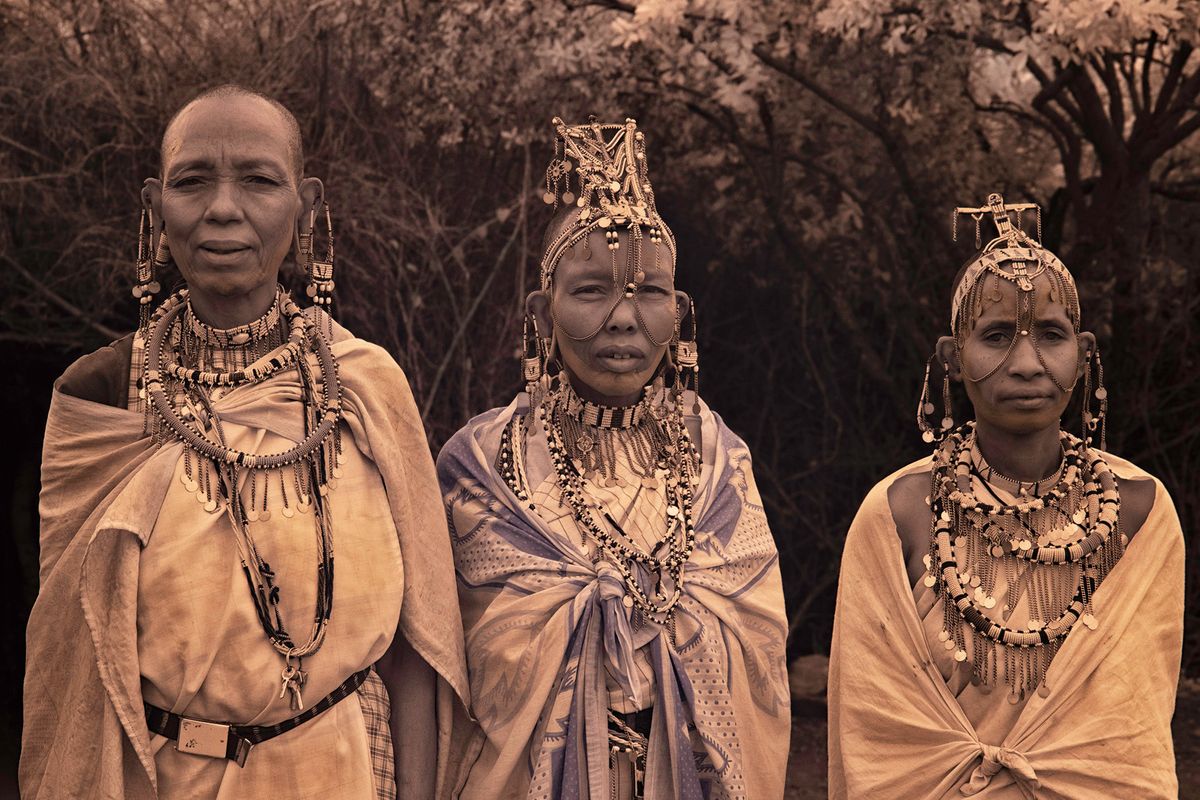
{"points": [[619, 585], [194, 481], [1009, 617]]}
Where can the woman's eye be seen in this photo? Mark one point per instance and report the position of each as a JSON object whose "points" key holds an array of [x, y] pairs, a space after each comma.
{"points": [[995, 337], [262, 180], [650, 289], [591, 289], [183, 183], [1052, 335]]}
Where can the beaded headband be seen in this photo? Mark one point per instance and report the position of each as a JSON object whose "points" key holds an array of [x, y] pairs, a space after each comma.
{"points": [[1012, 256], [613, 188]]}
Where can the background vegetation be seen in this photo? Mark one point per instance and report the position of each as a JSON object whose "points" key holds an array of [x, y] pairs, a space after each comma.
{"points": [[806, 152]]}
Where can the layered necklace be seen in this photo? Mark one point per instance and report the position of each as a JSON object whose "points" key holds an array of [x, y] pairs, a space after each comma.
{"points": [[584, 439], [1053, 545], [186, 363]]}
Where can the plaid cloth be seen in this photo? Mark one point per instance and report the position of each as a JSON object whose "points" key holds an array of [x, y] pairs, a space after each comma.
{"points": [[376, 710]]}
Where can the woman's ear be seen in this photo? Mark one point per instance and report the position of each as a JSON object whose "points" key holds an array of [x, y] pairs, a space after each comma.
{"points": [[947, 353], [1087, 345], [152, 202], [683, 307], [537, 305]]}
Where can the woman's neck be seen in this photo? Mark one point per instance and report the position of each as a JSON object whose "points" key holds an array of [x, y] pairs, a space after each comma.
{"points": [[589, 394], [1026, 457], [223, 312]]}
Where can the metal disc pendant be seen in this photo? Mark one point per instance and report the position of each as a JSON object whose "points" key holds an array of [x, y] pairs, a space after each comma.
{"points": [[548, 198], [989, 602], [1043, 691], [949, 644], [997, 551], [627, 601], [960, 656], [1013, 698], [252, 515], [672, 510], [265, 516], [943, 636], [210, 506], [192, 487], [975, 580], [650, 482], [927, 437], [1090, 621], [337, 472], [929, 581], [305, 504], [288, 512]]}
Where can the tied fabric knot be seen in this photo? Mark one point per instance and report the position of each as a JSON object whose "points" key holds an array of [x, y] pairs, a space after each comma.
{"points": [[996, 759], [618, 637]]}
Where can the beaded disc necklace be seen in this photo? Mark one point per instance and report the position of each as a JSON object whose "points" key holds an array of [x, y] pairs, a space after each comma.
{"points": [[180, 377], [1054, 546], [583, 439]]}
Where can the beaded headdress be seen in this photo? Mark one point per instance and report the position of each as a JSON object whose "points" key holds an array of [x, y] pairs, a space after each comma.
{"points": [[613, 189], [1013, 256]]}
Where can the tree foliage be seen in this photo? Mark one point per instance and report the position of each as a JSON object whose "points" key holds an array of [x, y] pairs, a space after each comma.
{"points": [[806, 152]]}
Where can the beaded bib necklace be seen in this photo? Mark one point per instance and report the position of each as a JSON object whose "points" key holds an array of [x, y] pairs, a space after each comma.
{"points": [[662, 453], [185, 363], [1054, 548]]}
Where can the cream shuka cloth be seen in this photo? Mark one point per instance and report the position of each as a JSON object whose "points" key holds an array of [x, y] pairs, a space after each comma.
{"points": [[142, 600], [897, 730], [547, 636]]}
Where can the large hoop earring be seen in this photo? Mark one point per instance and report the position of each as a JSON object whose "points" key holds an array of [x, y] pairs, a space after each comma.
{"points": [[926, 409], [145, 285], [320, 272], [1098, 419]]}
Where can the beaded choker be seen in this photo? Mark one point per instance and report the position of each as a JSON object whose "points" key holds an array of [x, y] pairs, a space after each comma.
{"points": [[596, 415], [238, 336], [180, 407], [1053, 549]]}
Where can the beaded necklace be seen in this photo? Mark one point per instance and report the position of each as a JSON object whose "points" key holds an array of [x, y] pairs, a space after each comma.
{"points": [[674, 467], [180, 407], [975, 542]]}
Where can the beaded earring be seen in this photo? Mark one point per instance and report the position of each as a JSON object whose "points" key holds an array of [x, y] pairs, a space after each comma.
{"points": [[146, 286], [1099, 418], [925, 407], [533, 361], [685, 353], [320, 273]]}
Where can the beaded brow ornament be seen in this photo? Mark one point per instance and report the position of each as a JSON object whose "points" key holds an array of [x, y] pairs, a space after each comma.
{"points": [[1015, 257], [614, 192]]}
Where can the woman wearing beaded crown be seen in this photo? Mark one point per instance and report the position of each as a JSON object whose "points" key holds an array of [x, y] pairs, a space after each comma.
{"points": [[619, 585], [1009, 617], [188, 640]]}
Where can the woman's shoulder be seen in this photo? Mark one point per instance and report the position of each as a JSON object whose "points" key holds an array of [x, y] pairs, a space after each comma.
{"points": [[101, 376], [1139, 491]]}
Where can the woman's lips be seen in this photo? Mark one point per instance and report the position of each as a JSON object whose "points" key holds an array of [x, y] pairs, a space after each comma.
{"points": [[620, 358]]}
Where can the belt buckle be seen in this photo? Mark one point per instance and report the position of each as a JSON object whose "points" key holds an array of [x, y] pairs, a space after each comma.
{"points": [[200, 738]]}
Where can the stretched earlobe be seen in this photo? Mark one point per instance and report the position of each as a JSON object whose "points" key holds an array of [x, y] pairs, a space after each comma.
{"points": [[947, 355]]}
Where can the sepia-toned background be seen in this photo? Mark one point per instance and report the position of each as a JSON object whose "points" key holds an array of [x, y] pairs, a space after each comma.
{"points": [[807, 155]]}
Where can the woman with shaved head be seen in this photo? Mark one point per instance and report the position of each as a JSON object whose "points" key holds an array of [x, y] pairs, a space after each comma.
{"points": [[1009, 614], [620, 587], [189, 639]]}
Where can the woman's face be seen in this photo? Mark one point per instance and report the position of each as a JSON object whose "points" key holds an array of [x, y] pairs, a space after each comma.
{"points": [[611, 337], [1028, 359]]}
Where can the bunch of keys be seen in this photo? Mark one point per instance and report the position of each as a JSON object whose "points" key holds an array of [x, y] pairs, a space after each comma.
{"points": [[293, 681]]}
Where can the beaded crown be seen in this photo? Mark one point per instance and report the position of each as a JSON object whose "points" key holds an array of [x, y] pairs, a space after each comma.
{"points": [[614, 192], [1013, 256]]}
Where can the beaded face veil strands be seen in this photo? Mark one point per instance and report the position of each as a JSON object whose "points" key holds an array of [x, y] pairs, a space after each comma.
{"points": [[1051, 546]]}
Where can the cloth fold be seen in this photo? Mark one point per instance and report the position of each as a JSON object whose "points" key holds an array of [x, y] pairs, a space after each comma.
{"points": [[895, 729], [543, 622]]}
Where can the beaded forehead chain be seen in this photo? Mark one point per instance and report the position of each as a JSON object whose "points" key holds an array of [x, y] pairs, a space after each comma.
{"points": [[614, 192], [1013, 256]]}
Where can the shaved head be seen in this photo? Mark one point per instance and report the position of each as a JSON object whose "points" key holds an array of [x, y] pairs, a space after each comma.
{"points": [[295, 145]]}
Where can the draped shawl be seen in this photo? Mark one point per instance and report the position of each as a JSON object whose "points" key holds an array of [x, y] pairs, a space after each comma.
{"points": [[895, 730], [103, 482], [543, 623]]}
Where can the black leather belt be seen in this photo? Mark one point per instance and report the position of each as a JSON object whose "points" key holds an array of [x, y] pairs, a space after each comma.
{"points": [[234, 742]]}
